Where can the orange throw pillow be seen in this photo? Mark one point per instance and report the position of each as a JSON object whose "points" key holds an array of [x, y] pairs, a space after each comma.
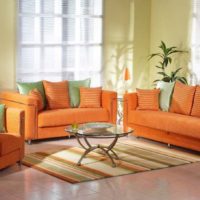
{"points": [[182, 98], [148, 99], [196, 104], [57, 94], [90, 97], [37, 95]]}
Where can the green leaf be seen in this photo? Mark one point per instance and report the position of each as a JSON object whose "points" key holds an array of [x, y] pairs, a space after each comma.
{"points": [[158, 67], [156, 81], [176, 71], [162, 73], [155, 54]]}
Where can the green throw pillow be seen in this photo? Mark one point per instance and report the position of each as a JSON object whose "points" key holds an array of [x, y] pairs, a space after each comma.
{"points": [[25, 88], [74, 91], [2, 120], [166, 90]]}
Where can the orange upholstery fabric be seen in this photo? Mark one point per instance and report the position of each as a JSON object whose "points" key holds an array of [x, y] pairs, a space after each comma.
{"points": [[182, 98], [57, 94], [171, 122], [148, 99], [109, 102], [9, 143], [12, 143], [172, 128], [61, 117], [37, 95], [90, 97], [166, 137], [196, 104], [107, 113]]}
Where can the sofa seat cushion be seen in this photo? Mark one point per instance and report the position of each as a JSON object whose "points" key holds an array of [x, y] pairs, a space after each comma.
{"points": [[166, 121], [9, 143], [61, 117]]}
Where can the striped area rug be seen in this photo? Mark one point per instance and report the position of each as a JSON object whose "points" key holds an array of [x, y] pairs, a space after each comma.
{"points": [[135, 156]]}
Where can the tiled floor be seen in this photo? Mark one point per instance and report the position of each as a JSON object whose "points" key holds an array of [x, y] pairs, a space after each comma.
{"points": [[177, 183]]}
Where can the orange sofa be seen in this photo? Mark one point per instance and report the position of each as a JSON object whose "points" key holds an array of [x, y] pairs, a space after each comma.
{"points": [[12, 142], [167, 127], [51, 123]]}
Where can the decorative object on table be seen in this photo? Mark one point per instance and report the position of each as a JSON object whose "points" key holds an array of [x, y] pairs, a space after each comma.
{"points": [[127, 77], [138, 156], [166, 90], [99, 130], [166, 58]]}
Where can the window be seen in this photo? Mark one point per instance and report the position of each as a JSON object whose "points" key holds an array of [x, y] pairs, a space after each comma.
{"points": [[59, 39], [195, 42]]}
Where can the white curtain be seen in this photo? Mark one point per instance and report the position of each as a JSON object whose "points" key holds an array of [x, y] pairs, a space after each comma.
{"points": [[59, 39], [195, 42]]}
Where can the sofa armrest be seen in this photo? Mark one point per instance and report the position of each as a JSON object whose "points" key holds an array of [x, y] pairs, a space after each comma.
{"points": [[109, 101], [15, 97], [130, 103], [15, 121], [26, 103]]}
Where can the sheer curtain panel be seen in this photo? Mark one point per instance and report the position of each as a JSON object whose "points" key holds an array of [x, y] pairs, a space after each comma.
{"points": [[59, 39]]}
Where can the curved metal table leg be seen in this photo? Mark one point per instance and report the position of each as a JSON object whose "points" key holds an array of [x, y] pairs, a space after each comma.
{"points": [[85, 153], [106, 149]]}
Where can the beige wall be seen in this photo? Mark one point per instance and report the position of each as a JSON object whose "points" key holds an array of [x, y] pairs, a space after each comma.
{"points": [[170, 22], [7, 44], [126, 43]]}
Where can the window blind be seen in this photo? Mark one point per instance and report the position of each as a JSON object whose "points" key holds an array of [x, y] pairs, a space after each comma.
{"points": [[59, 39]]}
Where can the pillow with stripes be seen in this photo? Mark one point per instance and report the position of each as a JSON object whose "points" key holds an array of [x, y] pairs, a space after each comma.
{"points": [[90, 97], [148, 99], [182, 98], [57, 94]]}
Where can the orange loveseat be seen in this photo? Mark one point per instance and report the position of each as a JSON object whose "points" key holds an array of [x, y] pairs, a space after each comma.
{"points": [[51, 123], [12, 142], [171, 128]]}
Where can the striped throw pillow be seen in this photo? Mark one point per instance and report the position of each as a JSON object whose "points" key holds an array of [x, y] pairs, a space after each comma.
{"points": [[37, 95], [196, 103], [182, 98], [90, 97], [57, 94], [148, 99]]}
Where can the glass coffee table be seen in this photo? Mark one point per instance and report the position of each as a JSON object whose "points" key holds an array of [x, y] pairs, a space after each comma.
{"points": [[98, 130]]}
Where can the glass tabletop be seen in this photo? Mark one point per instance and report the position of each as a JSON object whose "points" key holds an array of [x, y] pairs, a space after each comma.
{"points": [[98, 129]]}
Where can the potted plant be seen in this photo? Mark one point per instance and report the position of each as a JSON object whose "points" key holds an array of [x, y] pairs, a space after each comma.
{"points": [[166, 58]]}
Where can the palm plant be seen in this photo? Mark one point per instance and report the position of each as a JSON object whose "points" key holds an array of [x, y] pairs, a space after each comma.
{"points": [[165, 56]]}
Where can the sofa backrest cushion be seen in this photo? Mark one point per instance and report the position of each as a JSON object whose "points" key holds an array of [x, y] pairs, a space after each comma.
{"points": [[148, 99], [25, 88], [37, 95], [57, 94], [196, 103], [182, 98], [166, 90], [90, 97], [74, 91]]}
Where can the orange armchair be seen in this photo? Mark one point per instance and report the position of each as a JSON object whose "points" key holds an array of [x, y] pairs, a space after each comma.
{"points": [[12, 142], [52, 123]]}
